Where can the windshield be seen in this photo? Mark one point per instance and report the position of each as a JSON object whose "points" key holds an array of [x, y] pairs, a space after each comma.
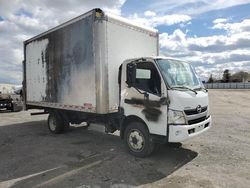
{"points": [[178, 74]]}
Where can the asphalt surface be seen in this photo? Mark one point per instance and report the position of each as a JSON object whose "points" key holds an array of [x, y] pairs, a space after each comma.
{"points": [[30, 156]]}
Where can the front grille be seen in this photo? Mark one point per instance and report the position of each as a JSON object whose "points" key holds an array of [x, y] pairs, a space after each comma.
{"points": [[198, 120], [194, 111]]}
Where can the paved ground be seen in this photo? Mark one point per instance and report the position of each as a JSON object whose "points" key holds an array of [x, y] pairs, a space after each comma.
{"points": [[32, 157]]}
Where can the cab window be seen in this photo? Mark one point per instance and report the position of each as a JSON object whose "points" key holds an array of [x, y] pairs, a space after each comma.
{"points": [[147, 78]]}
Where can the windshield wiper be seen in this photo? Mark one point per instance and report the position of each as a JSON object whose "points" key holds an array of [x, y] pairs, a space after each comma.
{"points": [[184, 87], [201, 88]]}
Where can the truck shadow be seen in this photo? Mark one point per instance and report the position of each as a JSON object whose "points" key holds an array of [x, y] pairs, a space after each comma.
{"points": [[78, 158]]}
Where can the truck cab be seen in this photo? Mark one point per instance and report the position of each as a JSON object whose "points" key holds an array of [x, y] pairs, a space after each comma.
{"points": [[165, 98]]}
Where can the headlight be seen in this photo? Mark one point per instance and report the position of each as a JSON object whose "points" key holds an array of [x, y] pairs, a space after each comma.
{"points": [[176, 117]]}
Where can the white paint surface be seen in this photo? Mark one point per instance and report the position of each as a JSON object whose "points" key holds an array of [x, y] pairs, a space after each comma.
{"points": [[12, 182], [158, 127], [128, 22], [124, 43], [36, 70], [83, 90]]}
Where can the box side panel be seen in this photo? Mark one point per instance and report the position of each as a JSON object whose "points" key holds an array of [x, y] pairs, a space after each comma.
{"points": [[124, 42], [60, 66]]}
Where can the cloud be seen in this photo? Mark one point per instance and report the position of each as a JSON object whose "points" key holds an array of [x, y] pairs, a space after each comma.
{"points": [[149, 13], [152, 20], [219, 20], [220, 43], [22, 19], [211, 54], [193, 7], [232, 28]]}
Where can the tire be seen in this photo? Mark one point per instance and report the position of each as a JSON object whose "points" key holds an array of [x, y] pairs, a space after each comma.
{"points": [[137, 140], [55, 124], [66, 125], [12, 108]]}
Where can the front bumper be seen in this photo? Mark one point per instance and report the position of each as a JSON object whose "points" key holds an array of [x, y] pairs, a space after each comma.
{"points": [[179, 133], [5, 105]]}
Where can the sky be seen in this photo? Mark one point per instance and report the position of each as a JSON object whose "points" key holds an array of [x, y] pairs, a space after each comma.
{"points": [[213, 35]]}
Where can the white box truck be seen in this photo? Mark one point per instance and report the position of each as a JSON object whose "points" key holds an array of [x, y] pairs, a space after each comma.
{"points": [[100, 68]]}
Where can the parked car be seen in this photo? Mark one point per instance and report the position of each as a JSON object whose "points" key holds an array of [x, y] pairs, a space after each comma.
{"points": [[11, 102], [6, 102]]}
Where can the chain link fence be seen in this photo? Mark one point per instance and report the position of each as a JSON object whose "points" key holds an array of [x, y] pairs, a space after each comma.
{"points": [[233, 85]]}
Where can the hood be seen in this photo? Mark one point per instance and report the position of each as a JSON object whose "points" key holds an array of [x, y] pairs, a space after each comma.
{"points": [[184, 100]]}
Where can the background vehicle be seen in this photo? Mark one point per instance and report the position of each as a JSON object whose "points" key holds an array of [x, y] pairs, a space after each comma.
{"points": [[11, 102], [6, 102], [99, 68]]}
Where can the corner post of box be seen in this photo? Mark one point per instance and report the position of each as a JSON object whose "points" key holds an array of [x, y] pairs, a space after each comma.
{"points": [[24, 85], [158, 44], [100, 59]]}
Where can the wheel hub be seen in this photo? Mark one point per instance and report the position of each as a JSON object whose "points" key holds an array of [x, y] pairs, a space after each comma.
{"points": [[136, 140], [52, 123]]}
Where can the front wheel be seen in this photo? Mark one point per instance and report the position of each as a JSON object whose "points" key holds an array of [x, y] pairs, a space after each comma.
{"points": [[137, 140], [55, 123]]}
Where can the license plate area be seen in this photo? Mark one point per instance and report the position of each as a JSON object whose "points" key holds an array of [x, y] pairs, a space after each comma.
{"points": [[199, 128]]}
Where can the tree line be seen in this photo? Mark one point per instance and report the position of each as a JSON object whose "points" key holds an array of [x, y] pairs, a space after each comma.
{"points": [[241, 76]]}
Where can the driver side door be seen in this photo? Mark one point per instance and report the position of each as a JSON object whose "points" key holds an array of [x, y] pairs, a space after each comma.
{"points": [[145, 96]]}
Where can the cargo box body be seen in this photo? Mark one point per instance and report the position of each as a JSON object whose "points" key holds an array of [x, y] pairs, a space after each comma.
{"points": [[75, 66]]}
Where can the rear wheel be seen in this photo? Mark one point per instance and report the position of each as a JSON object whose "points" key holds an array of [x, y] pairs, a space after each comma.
{"points": [[55, 123], [137, 140]]}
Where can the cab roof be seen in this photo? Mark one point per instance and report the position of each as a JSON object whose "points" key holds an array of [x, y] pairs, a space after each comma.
{"points": [[153, 58]]}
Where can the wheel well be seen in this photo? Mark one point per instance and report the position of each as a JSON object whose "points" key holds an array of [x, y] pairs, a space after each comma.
{"points": [[127, 120], [60, 113]]}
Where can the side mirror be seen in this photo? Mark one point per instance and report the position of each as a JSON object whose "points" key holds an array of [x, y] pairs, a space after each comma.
{"points": [[131, 74]]}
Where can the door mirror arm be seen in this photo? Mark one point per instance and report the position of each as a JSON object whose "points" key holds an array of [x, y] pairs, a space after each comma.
{"points": [[146, 95]]}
